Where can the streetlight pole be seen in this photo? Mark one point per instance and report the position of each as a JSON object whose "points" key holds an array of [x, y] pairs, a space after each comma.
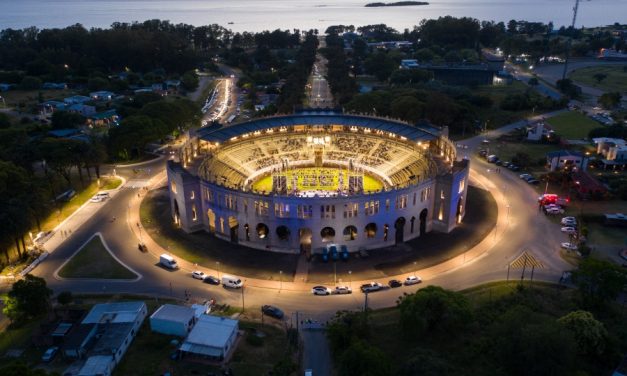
{"points": [[243, 286], [334, 273], [350, 279], [415, 269], [218, 268], [280, 280]]}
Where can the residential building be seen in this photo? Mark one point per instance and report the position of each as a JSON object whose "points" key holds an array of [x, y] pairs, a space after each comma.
{"points": [[587, 186], [212, 337], [102, 95], [539, 131], [565, 159], [173, 320], [105, 118], [76, 99], [82, 109], [54, 86]]}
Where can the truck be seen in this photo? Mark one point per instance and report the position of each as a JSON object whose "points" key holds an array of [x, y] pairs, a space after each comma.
{"points": [[232, 282], [168, 261]]}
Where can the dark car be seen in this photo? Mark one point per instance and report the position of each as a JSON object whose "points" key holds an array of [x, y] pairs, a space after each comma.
{"points": [[533, 181], [211, 280], [272, 311], [395, 283]]}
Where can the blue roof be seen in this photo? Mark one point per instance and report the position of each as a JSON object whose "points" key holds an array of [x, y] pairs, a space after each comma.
{"points": [[414, 133]]}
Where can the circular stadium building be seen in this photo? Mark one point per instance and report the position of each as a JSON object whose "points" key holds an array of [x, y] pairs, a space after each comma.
{"points": [[317, 180]]}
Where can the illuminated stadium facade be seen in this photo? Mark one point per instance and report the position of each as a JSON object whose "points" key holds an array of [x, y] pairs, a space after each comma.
{"points": [[313, 179]]}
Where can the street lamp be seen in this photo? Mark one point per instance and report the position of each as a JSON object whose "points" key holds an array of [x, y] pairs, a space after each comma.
{"points": [[280, 280], [350, 279], [415, 269], [218, 268]]}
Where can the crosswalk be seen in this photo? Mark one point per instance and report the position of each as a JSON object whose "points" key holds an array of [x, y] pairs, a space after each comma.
{"points": [[526, 260], [137, 183]]}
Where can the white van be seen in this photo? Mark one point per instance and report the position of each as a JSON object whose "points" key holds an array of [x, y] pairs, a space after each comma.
{"points": [[231, 281], [168, 261]]}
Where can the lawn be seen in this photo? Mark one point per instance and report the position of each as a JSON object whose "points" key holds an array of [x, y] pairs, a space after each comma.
{"points": [[93, 261], [616, 79], [604, 235], [572, 125], [27, 99]]}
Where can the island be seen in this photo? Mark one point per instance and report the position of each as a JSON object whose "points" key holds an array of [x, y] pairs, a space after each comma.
{"points": [[397, 4]]}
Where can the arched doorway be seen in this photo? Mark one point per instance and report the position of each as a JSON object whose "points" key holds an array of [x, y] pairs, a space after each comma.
{"points": [[262, 231], [399, 226], [247, 231], [211, 216], [327, 234], [177, 214], [304, 234], [283, 232], [371, 230], [460, 210], [411, 223], [350, 233], [423, 221], [234, 228]]}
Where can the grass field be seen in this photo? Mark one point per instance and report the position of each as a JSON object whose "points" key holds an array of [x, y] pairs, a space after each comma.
{"points": [[572, 125], [93, 261], [616, 79], [264, 184]]}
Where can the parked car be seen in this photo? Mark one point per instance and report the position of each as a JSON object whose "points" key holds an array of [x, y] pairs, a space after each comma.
{"points": [[395, 283], [211, 280], [272, 311], [371, 287], [321, 290], [342, 290], [569, 246], [197, 274], [412, 280], [513, 167], [50, 354], [567, 221], [555, 211], [533, 181], [524, 176], [569, 230], [492, 158]]}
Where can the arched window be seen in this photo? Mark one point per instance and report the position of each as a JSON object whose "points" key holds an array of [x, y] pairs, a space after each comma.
{"points": [[350, 233], [262, 231], [283, 232], [327, 234], [371, 230]]}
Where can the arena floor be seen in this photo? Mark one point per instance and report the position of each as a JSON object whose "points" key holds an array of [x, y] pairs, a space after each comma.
{"points": [[308, 180]]}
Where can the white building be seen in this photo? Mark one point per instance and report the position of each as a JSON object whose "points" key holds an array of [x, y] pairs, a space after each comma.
{"points": [[566, 159], [212, 337], [539, 130], [613, 149], [116, 326], [173, 320]]}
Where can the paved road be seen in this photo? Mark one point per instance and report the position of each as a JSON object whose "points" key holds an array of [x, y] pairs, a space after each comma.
{"points": [[316, 355], [319, 93]]}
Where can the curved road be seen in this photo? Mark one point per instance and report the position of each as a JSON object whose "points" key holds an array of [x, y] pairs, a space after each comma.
{"points": [[520, 227]]}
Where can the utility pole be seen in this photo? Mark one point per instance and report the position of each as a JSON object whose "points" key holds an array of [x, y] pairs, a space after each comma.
{"points": [[569, 42], [244, 285]]}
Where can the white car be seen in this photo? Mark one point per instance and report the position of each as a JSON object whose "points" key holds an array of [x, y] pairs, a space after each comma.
{"points": [[569, 219], [342, 290], [371, 287], [569, 246], [569, 223], [321, 290], [569, 230], [100, 197], [197, 274], [412, 280]]}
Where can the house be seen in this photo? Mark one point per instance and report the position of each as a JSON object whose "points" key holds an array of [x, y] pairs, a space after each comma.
{"points": [[83, 109], [116, 324], [409, 64], [456, 74], [587, 186], [49, 107], [173, 320], [102, 95], [617, 219], [212, 337], [76, 99], [539, 131], [173, 85], [6, 87], [54, 86], [105, 118], [566, 159]]}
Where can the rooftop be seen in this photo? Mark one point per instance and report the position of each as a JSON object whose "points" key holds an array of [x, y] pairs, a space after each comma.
{"points": [[96, 365], [212, 331], [173, 312], [121, 312], [112, 336]]}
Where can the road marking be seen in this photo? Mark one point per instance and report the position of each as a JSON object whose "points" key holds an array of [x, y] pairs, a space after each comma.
{"points": [[526, 260]]}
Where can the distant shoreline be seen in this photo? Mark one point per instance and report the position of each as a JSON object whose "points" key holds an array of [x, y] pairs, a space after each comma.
{"points": [[396, 4]]}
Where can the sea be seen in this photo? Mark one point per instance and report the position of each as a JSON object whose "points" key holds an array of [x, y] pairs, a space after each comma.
{"points": [[259, 15]]}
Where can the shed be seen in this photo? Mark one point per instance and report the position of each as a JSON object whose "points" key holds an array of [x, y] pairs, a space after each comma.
{"points": [[212, 337], [172, 319], [98, 365]]}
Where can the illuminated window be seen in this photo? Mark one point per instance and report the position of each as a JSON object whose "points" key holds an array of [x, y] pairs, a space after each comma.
{"points": [[281, 210], [401, 202], [192, 195], [194, 215], [304, 211], [442, 194], [387, 204], [462, 185], [350, 210], [371, 208], [173, 186]]}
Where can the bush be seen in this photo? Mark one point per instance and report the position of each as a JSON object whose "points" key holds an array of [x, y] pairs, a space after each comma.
{"points": [[253, 339]]}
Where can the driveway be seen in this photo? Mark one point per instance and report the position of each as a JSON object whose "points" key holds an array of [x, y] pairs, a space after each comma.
{"points": [[316, 355]]}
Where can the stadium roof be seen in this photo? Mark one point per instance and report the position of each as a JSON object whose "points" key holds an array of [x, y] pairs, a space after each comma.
{"points": [[413, 133]]}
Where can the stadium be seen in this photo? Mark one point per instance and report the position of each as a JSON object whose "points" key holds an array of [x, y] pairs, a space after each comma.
{"points": [[318, 179]]}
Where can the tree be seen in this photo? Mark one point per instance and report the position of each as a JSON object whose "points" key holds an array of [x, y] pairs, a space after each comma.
{"points": [[433, 309], [5, 121], [189, 81], [18, 368], [345, 328], [65, 297], [66, 119], [521, 159], [97, 83], [533, 81], [30, 83], [380, 65], [599, 77], [129, 139], [599, 281], [28, 297], [425, 363], [362, 359], [589, 333], [610, 100]]}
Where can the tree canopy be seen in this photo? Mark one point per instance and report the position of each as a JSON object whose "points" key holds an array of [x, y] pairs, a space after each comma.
{"points": [[28, 297]]}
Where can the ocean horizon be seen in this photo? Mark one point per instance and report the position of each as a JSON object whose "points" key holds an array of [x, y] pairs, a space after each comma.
{"points": [[259, 15]]}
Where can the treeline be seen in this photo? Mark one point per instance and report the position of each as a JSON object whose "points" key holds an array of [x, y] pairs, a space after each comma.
{"points": [[342, 85], [293, 91], [523, 331]]}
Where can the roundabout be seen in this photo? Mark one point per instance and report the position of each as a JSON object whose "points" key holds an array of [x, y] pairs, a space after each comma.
{"points": [[518, 227]]}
